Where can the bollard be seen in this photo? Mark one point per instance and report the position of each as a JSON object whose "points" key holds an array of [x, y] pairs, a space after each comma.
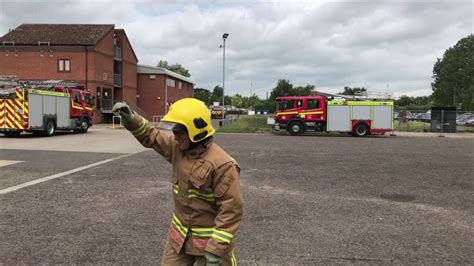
{"points": [[113, 120], [442, 124]]}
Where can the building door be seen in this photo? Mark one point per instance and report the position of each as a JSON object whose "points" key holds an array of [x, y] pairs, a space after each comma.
{"points": [[107, 100], [99, 98]]}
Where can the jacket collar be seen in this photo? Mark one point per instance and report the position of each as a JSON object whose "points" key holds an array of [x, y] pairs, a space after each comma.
{"points": [[201, 148]]}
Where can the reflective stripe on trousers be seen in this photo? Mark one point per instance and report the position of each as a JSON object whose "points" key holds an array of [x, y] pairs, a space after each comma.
{"points": [[201, 232], [170, 257]]}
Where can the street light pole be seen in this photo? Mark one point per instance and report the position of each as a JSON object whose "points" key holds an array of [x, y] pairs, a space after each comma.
{"points": [[224, 37], [251, 94]]}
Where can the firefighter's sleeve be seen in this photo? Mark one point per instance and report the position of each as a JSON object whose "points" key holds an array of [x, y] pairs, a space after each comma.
{"points": [[150, 137], [230, 205]]}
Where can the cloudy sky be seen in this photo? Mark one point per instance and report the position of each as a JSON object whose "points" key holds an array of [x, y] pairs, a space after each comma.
{"points": [[331, 44]]}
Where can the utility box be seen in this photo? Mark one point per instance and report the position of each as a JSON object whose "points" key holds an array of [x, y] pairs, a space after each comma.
{"points": [[443, 119]]}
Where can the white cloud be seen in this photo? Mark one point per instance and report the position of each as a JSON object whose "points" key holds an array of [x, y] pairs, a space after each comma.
{"points": [[328, 44]]}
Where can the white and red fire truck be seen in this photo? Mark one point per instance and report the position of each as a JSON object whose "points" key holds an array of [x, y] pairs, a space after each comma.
{"points": [[358, 116], [44, 107]]}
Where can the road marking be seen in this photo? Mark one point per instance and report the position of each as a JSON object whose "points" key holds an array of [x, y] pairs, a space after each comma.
{"points": [[8, 162], [51, 177]]}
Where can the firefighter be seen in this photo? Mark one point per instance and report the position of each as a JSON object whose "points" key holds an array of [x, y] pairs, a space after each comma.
{"points": [[206, 183]]}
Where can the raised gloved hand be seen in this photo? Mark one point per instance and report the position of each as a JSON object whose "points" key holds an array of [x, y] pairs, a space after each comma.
{"points": [[212, 260], [124, 111]]}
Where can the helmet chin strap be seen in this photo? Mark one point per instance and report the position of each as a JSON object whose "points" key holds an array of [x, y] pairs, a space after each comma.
{"points": [[203, 142]]}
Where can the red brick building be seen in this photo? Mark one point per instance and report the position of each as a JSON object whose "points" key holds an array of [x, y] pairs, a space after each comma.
{"points": [[98, 56], [158, 86]]}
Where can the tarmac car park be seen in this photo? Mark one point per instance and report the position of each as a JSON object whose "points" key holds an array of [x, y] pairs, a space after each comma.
{"points": [[308, 200]]}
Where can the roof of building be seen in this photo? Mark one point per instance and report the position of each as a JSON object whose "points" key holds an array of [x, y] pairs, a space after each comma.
{"points": [[58, 34], [128, 41], [144, 69]]}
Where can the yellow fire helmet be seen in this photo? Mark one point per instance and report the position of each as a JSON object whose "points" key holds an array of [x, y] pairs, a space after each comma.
{"points": [[191, 113]]}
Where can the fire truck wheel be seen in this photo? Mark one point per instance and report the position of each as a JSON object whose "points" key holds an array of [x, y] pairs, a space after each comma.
{"points": [[50, 128], [84, 126], [295, 128], [361, 129]]}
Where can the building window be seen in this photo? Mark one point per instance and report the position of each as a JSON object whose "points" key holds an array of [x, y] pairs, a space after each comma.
{"points": [[170, 82], [64, 65], [180, 85]]}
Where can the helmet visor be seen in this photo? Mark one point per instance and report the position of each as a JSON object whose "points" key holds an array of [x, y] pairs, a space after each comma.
{"points": [[171, 126], [167, 126]]}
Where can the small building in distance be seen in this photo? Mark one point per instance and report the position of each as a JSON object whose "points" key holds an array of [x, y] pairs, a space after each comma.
{"points": [[158, 88]]}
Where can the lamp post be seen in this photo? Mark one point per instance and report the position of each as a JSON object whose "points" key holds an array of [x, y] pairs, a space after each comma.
{"points": [[251, 94], [224, 37]]}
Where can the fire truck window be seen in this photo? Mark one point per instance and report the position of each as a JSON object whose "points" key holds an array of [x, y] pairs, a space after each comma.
{"points": [[288, 104], [88, 99], [285, 104], [313, 104], [77, 98], [299, 103]]}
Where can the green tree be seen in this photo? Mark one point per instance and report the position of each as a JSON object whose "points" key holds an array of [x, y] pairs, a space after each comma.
{"points": [[413, 103], [228, 100], [245, 101], [453, 76], [422, 100], [237, 100], [303, 91], [203, 95], [352, 91], [177, 68], [216, 95], [403, 101], [253, 100], [283, 88]]}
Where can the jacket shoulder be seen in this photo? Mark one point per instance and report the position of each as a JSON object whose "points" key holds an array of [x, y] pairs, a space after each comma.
{"points": [[218, 157]]}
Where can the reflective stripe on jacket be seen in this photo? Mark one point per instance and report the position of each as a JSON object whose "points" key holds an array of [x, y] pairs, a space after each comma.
{"points": [[206, 191]]}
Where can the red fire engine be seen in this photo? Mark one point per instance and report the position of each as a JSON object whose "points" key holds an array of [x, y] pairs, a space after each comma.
{"points": [[334, 113], [44, 107]]}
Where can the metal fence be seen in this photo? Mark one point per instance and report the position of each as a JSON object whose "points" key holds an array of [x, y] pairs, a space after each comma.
{"points": [[441, 121]]}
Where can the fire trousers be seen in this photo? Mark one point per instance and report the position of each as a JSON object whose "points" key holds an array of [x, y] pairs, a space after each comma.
{"points": [[171, 258]]}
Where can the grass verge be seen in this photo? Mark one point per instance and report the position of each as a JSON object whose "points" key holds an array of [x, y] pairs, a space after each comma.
{"points": [[419, 126], [258, 124], [247, 124]]}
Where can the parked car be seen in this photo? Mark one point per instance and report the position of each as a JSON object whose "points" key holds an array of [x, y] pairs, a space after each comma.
{"points": [[425, 117], [409, 115], [470, 122], [465, 119], [396, 115], [459, 116]]}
